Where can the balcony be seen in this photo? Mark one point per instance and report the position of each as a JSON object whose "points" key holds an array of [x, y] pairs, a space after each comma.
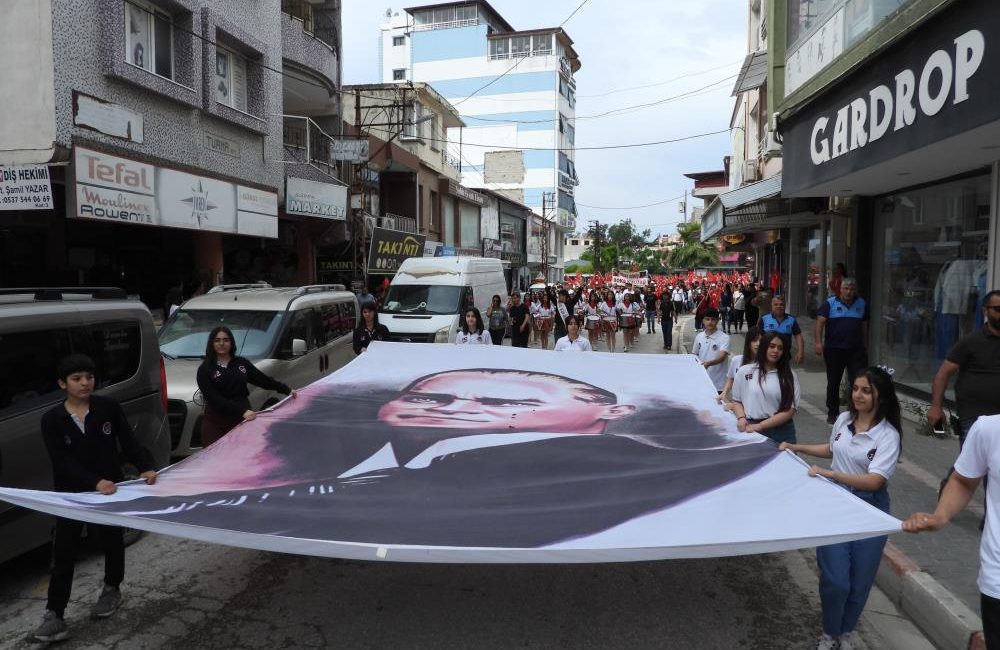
{"points": [[396, 222], [309, 39], [316, 20], [451, 163], [304, 143]]}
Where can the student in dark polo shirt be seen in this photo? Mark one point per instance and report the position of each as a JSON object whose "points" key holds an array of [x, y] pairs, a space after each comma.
{"points": [[976, 359], [845, 319]]}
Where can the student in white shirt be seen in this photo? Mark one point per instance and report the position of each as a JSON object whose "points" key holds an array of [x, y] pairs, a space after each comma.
{"points": [[864, 446], [750, 345], [609, 315], [766, 393], [472, 330], [544, 318], [573, 341], [711, 346], [979, 458]]}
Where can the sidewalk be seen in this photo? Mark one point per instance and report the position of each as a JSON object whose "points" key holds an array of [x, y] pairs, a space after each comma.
{"points": [[931, 576]]}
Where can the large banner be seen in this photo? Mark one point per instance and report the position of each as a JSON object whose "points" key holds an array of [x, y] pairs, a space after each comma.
{"points": [[433, 453]]}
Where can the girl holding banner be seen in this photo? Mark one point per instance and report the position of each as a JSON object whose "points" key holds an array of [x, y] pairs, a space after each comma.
{"points": [[864, 446], [766, 393]]}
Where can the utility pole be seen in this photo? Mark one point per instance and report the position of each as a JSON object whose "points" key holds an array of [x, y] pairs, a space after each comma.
{"points": [[595, 228], [546, 225]]}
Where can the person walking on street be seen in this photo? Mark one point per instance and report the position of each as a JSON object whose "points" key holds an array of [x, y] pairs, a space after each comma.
{"points": [[222, 379], [609, 318], [679, 298], [472, 331], [498, 319], [739, 308], [726, 308], [976, 360], [766, 392], [573, 342], [750, 295], [864, 445], [650, 302], [750, 345], [369, 329], [776, 320], [520, 321], [842, 340], [82, 436], [563, 310], [711, 346], [543, 319], [667, 313], [366, 298]]}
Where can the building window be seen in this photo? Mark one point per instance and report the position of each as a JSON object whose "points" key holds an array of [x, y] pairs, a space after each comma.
{"points": [[541, 44], [520, 46], [149, 39], [435, 134], [398, 40], [413, 129], [469, 225], [399, 74], [231, 79], [574, 242], [499, 48]]}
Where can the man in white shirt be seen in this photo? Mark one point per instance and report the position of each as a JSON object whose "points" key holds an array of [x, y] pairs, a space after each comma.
{"points": [[980, 457], [711, 346]]}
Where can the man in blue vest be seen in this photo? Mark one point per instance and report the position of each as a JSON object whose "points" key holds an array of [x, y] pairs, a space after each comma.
{"points": [[784, 324], [845, 321]]}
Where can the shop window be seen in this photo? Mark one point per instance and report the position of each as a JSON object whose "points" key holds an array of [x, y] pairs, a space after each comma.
{"points": [[149, 38], [469, 229], [931, 272]]}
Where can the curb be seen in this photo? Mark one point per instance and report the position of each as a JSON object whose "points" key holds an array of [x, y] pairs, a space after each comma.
{"points": [[935, 610]]}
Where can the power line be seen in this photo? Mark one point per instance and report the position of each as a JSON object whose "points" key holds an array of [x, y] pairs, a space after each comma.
{"points": [[631, 207], [662, 83], [633, 145], [519, 62], [685, 95]]}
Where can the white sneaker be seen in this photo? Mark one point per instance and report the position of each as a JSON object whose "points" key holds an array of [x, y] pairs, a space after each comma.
{"points": [[849, 641], [827, 642]]}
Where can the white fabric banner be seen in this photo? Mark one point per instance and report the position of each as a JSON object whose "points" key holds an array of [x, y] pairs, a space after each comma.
{"points": [[490, 454]]}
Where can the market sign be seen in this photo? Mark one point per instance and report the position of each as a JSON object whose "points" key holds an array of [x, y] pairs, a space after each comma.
{"points": [[735, 238], [115, 189], [25, 188], [936, 83], [390, 247], [465, 193], [349, 150], [314, 199]]}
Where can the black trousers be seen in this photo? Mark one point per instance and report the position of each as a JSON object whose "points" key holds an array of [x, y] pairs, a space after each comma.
{"points": [[667, 325], [837, 361], [64, 558], [678, 307], [497, 336], [991, 621], [519, 339]]}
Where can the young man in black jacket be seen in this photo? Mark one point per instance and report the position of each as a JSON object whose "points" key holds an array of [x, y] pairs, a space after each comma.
{"points": [[82, 436]]}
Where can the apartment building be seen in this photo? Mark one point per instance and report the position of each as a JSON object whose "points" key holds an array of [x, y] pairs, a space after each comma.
{"points": [[162, 131], [516, 93]]}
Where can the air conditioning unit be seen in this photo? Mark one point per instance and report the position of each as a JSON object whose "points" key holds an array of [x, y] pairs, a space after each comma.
{"points": [[751, 171], [769, 145]]}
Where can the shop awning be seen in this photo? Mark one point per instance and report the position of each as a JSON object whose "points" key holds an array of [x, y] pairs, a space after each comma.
{"points": [[753, 74], [755, 207]]}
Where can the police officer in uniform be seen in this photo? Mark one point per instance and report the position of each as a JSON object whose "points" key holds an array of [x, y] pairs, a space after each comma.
{"points": [[844, 321], [784, 324]]}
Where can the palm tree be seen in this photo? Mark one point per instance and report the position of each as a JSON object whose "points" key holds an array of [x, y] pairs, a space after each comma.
{"points": [[692, 253]]}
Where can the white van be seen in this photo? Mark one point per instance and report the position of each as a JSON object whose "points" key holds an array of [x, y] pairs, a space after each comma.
{"points": [[428, 295], [293, 334]]}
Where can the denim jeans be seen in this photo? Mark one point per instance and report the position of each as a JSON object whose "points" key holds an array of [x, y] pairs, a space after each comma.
{"points": [[781, 433], [847, 572], [650, 320]]}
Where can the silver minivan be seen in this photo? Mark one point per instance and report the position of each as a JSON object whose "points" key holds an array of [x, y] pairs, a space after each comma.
{"points": [[38, 327], [295, 335]]}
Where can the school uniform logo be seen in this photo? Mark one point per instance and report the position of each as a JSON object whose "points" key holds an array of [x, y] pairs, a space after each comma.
{"points": [[837, 437], [715, 347], [217, 374], [871, 454], [243, 369], [106, 428]]}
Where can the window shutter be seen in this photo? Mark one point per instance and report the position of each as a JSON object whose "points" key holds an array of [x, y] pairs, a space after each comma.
{"points": [[239, 72]]}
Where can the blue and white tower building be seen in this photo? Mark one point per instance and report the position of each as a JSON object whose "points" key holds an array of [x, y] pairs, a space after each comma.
{"points": [[516, 94]]}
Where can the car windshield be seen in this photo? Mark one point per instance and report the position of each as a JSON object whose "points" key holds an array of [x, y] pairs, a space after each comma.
{"points": [[423, 299], [186, 333]]}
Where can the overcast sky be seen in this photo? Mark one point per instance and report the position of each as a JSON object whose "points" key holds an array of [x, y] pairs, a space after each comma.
{"points": [[653, 41]]}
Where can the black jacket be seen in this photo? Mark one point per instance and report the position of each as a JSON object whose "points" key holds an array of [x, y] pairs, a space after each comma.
{"points": [[362, 337], [80, 461], [225, 389]]}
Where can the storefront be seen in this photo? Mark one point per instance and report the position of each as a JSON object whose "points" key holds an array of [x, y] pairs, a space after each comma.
{"points": [[461, 218], [914, 136], [512, 242], [148, 228]]}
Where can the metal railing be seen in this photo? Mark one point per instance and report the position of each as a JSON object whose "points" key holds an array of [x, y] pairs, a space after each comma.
{"points": [[496, 56], [305, 143], [449, 160], [449, 24], [320, 24]]}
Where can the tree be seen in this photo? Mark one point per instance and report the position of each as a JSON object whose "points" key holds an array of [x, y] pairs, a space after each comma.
{"points": [[584, 267], [621, 241], [692, 253]]}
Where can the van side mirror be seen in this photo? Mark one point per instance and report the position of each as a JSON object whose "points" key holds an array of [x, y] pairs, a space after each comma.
{"points": [[298, 347]]}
